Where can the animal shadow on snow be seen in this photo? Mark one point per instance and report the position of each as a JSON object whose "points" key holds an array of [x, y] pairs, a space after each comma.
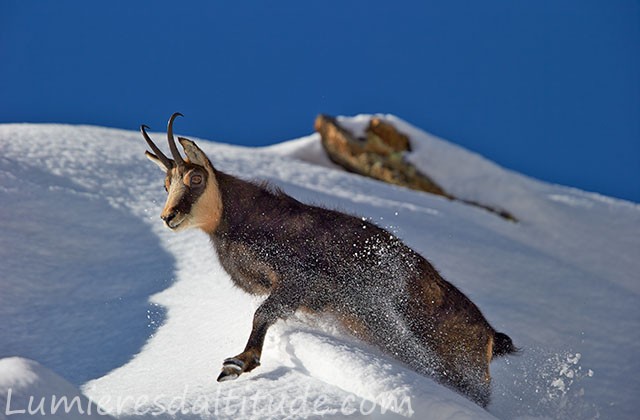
{"points": [[77, 275]]}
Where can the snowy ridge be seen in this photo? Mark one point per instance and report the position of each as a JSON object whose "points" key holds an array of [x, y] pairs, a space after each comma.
{"points": [[141, 318], [29, 389]]}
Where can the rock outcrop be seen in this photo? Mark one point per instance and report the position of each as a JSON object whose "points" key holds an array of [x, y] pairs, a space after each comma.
{"points": [[380, 154]]}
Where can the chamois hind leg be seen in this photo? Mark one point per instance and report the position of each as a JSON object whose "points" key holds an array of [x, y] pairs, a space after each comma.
{"points": [[476, 385], [279, 304], [468, 373]]}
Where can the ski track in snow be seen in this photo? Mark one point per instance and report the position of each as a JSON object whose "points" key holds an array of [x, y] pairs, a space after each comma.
{"points": [[94, 288]]}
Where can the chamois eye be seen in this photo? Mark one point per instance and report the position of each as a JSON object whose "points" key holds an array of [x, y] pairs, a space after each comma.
{"points": [[196, 179]]}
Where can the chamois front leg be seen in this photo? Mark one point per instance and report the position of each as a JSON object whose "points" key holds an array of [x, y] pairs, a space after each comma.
{"points": [[280, 304]]}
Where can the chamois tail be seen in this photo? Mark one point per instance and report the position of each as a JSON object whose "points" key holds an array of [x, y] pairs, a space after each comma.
{"points": [[502, 345]]}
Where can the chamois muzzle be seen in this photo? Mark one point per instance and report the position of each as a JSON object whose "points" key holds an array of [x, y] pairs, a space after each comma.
{"points": [[169, 216]]}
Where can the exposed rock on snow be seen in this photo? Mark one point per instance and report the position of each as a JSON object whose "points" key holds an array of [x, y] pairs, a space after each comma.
{"points": [[381, 151], [379, 154]]}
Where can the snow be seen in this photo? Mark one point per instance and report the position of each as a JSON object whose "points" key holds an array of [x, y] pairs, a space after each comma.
{"points": [[139, 319], [29, 389]]}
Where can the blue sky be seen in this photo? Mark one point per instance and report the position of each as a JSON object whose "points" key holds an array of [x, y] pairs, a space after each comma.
{"points": [[550, 88]]}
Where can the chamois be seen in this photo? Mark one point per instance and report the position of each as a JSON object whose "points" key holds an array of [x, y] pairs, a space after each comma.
{"points": [[318, 260]]}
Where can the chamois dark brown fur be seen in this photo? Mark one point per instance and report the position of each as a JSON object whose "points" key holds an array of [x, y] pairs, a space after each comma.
{"points": [[318, 260]]}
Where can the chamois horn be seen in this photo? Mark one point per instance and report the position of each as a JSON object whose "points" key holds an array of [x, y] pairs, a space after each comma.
{"points": [[165, 160], [172, 141]]}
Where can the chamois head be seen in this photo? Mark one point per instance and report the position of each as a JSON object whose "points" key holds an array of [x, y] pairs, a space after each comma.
{"points": [[193, 196]]}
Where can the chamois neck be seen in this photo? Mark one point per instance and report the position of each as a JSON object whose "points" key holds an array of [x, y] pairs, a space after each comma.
{"points": [[207, 212], [246, 204]]}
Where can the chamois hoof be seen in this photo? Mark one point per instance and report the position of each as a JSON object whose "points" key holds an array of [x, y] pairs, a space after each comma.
{"points": [[227, 375], [231, 369]]}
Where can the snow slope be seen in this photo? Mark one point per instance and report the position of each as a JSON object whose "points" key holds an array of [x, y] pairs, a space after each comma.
{"points": [[27, 388], [140, 318]]}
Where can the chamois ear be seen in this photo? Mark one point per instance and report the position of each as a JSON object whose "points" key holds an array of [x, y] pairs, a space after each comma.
{"points": [[194, 153], [153, 158]]}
